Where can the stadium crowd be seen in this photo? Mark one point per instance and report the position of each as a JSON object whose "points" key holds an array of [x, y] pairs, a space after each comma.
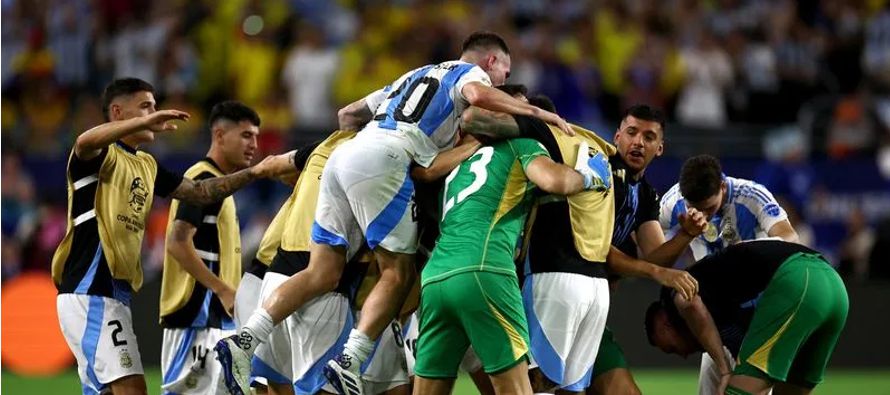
{"points": [[710, 64]]}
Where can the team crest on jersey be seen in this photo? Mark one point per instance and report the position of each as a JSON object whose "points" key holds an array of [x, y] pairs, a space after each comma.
{"points": [[138, 195], [772, 210], [126, 361]]}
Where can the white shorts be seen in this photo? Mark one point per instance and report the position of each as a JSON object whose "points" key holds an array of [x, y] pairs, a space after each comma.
{"points": [[566, 317], [188, 362], [386, 368], [470, 364], [247, 298], [709, 375], [365, 190], [99, 332], [300, 346]]}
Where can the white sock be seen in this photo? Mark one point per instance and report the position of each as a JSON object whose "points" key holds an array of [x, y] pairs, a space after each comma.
{"points": [[359, 346], [256, 331]]}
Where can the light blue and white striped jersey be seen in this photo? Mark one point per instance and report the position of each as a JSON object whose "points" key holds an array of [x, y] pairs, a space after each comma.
{"points": [[749, 212], [424, 107]]}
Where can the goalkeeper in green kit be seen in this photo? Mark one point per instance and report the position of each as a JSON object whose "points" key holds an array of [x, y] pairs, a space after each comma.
{"points": [[470, 294]]}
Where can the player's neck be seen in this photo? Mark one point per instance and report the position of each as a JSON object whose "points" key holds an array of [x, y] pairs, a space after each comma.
{"points": [[220, 160]]}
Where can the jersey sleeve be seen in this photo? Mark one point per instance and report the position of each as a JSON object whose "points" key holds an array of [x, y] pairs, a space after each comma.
{"points": [[374, 99], [78, 168], [166, 181], [303, 154], [672, 204], [192, 213], [527, 150], [650, 205], [476, 74], [757, 199]]}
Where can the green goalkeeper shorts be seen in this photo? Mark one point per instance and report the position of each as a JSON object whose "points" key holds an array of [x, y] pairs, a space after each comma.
{"points": [[610, 355], [796, 324], [481, 309]]}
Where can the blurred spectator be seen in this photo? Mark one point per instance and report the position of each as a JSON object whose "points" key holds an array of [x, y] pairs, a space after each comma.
{"points": [[69, 25], [798, 57], [856, 246], [308, 74], [709, 72], [852, 128], [876, 57]]}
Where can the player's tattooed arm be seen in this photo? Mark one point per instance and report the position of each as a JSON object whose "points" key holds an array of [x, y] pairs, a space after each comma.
{"points": [[211, 190], [446, 161], [488, 124], [354, 116]]}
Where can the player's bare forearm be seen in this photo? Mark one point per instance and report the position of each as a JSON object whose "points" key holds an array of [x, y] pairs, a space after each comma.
{"points": [[624, 265], [211, 190], [488, 124], [701, 324], [90, 143], [493, 99], [354, 116], [444, 163], [785, 231], [668, 253], [554, 177], [181, 246]]}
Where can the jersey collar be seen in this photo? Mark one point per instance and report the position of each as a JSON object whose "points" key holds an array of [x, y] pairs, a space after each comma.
{"points": [[126, 147], [213, 163]]}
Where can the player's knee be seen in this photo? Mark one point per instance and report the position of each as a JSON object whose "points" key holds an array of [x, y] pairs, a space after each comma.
{"points": [[129, 385], [540, 382]]}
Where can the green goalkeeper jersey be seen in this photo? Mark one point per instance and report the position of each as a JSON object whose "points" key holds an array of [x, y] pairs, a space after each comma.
{"points": [[484, 205]]}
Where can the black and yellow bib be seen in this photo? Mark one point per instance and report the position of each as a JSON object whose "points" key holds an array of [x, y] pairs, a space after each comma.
{"points": [[218, 243], [297, 232], [109, 199]]}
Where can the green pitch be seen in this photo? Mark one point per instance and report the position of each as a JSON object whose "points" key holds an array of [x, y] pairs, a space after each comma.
{"points": [[651, 382]]}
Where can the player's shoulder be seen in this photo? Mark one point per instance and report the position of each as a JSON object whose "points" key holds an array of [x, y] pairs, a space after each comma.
{"points": [[672, 197], [749, 192]]}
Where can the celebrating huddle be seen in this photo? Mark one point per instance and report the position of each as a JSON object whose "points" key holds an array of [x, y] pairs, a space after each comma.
{"points": [[517, 221]]}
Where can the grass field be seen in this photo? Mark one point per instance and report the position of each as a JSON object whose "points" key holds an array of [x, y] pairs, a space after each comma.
{"points": [[654, 382]]}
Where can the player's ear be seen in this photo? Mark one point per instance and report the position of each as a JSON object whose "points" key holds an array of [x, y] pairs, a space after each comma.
{"points": [[491, 61], [114, 112]]}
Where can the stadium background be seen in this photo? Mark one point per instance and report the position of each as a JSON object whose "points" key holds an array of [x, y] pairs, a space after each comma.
{"points": [[793, 94]]}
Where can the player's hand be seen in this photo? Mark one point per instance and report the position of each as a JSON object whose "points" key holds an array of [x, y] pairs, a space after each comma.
{"points": [[160, 121], [273, 166], [679, 280], [595, 169], [724, 382], [557, 121], [693, 222], [227, 298]]}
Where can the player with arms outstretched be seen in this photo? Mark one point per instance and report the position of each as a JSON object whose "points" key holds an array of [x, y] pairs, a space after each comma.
{"points": [[110, 191]]}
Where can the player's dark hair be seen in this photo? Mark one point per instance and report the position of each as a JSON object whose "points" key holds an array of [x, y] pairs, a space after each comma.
{"points": [[653, 310], [514, 89], [646, 113], [543, 102], [484, 40], [700, 178], [232, 110], [122, 87]]}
